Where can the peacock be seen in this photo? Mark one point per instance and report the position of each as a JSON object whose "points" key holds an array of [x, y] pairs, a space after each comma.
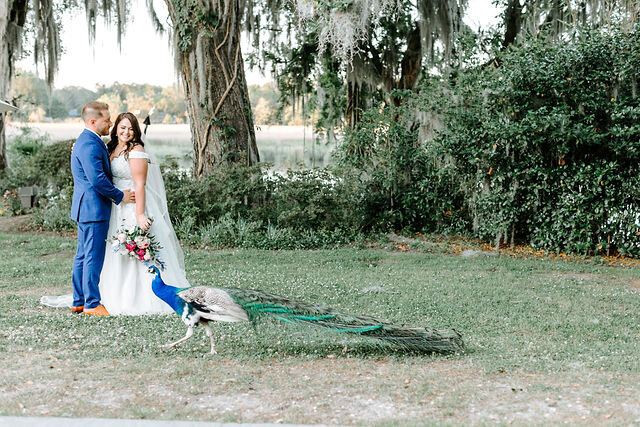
{"points": [[203, 304]]}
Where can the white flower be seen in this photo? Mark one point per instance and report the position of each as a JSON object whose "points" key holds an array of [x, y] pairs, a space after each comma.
{"points": [[143, 242], [147, 257], [122, 237]]}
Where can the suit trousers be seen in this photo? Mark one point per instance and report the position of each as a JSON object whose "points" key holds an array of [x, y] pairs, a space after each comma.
{"points": [[88, 262]]}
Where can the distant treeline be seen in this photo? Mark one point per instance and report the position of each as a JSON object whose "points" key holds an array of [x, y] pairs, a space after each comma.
{"points": [[39, 104]]}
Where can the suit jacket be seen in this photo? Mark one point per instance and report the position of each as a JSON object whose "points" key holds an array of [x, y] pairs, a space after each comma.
{"points": [[93, 191]]}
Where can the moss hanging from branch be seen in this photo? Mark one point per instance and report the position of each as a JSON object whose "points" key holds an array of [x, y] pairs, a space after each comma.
{"points": [[556, 17], [110, 10], [343, 25], [47, 38]]}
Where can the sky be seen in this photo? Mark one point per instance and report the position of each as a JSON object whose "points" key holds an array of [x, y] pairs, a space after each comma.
{"points": [[145, 56]]}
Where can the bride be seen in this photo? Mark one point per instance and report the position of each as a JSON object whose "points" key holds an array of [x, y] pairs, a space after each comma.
{"points": [[125, 283]]}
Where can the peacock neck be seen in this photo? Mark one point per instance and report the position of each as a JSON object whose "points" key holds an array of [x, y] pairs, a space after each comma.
{"points": [[168, 294]]}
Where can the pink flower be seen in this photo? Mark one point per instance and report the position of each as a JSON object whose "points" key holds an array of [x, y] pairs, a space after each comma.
{"points": [[122, 237], [130, 247], [141, 257], [140, 252]]}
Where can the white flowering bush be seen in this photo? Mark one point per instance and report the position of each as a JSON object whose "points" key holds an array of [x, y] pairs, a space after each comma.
{"points": [[625, 230]]}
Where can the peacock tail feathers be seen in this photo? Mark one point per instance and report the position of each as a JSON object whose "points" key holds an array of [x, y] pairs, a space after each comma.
{"points": [[213, 304], [258, 303], [205, 303]]}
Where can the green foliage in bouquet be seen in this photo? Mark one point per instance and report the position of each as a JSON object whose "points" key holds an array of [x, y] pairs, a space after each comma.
{"points": [[137, 244]]}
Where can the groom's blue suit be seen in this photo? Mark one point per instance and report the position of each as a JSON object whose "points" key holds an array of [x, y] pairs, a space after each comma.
{"points": [[93, 193]]}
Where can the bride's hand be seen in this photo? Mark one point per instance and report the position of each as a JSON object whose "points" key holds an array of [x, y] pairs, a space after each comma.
{"points": [[143, 222]]}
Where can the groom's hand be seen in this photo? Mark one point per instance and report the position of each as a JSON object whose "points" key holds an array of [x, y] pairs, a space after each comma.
{"points": [[129, 196]]}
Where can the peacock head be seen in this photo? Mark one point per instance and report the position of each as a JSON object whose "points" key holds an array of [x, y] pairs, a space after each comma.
{"points": [[154, 269]]}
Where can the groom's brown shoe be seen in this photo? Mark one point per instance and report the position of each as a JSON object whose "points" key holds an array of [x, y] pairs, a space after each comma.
{"points": [[77, 309], [96, 311]]}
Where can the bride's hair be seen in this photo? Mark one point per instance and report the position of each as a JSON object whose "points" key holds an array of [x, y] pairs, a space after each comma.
{"points": [[137, 134]]}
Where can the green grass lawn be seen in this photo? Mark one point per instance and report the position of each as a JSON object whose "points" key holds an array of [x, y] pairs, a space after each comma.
{"points": [[547, 341]]}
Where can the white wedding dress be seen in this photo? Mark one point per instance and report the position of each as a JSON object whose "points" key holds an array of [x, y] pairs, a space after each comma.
{"points": [[125, 283]]}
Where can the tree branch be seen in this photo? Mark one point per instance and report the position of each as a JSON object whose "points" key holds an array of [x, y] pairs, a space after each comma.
{"points": [[229, 85], [411, 61]]}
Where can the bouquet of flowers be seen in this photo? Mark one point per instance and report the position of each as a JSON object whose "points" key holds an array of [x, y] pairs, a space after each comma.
{"points": [[137, 244]]}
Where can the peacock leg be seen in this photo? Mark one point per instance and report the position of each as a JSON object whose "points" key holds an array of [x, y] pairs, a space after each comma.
{"points": [[186, 337], [210, 335]]}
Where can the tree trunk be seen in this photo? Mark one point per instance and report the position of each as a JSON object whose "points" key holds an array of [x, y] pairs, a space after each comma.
{"points": [[210, 61], [512, 22], [3, 144], [410, 65], [411, 61], [355, 103], [12, 17]]}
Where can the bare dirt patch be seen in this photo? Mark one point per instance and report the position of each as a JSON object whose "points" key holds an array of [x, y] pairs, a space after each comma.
{"points": [[23, 224], [330, 391], [579, 277], [594, 279], [15, 224]]}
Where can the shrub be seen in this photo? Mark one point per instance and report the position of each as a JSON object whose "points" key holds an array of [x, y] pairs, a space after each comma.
{"points": [[55, 211], [540, 149], [542, 146], [35, 161], [45, 166], [297, 200], [27, 143], [310, 199], [394, 181], [53, 164], [10, 204], [234, 206], [233, 190]]}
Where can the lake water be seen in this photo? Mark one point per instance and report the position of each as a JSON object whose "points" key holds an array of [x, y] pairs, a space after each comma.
{"points": [[283, 146]]}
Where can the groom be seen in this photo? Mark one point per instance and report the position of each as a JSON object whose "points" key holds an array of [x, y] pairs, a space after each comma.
{"points": [[93, 194]]}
